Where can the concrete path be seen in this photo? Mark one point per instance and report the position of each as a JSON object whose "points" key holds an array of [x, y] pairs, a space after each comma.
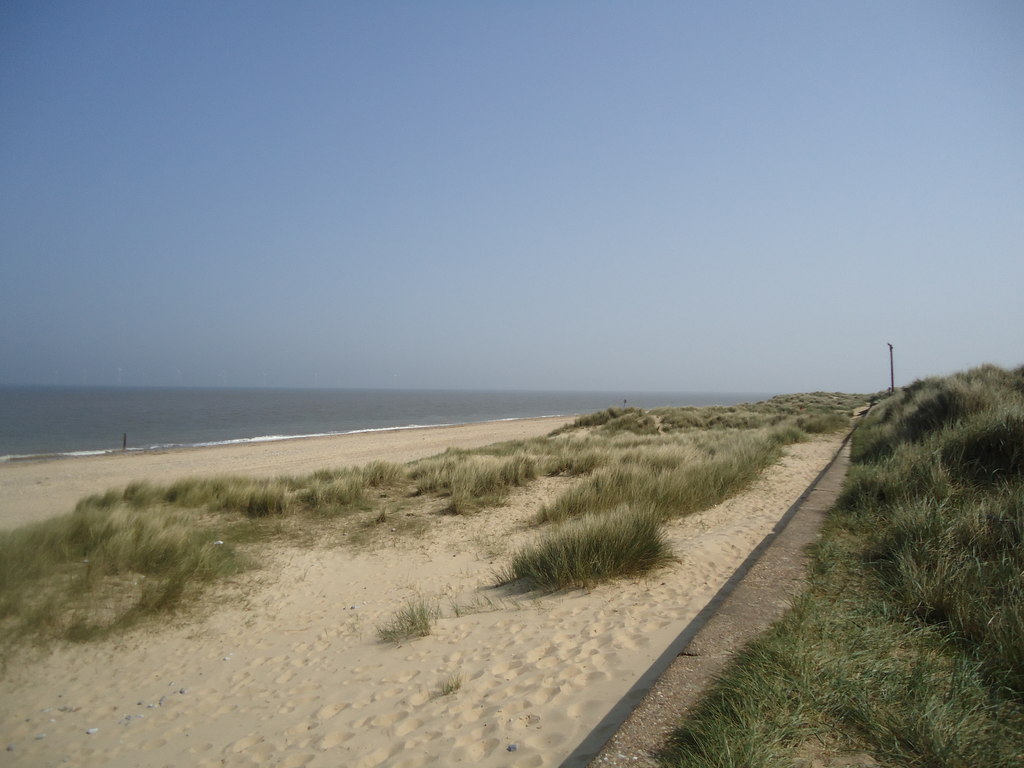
{"points": [[758, 594]]}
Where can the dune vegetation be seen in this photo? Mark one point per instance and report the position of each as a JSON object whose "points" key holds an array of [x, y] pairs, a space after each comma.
{"points": [[908, 647], [147, 549]]}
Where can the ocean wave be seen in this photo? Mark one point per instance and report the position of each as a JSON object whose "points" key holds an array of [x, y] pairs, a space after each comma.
{"points": [[246, 440]]}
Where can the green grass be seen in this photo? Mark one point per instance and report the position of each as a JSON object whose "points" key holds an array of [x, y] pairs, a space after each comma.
{"points": [[103, 568], [590, 550], [473, 480], [909, 644], [674, 475], [248, 496], [836, 680], [414, 619], [451, 685]]}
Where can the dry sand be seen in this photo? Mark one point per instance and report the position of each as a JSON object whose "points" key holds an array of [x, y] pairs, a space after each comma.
{"points": [[285, 669]]}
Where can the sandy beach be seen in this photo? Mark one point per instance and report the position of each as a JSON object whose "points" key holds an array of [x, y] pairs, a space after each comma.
{"points": [[35, 490], [284, 668]]}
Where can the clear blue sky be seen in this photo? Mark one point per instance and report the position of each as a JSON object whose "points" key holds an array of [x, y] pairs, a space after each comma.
{"points": [[695, 196]]}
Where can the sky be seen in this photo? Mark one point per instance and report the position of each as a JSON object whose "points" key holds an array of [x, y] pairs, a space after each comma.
{"points": [[643, 196]]}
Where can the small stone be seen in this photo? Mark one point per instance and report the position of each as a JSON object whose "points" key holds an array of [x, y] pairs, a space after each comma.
{"points": [[183, 691], [40, 736], [91, 731], [512, 747], [10, 747]]}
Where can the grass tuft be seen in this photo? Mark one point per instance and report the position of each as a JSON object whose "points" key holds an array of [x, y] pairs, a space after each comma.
{"points": [[590, 550], [414, 619], [451, 685]]}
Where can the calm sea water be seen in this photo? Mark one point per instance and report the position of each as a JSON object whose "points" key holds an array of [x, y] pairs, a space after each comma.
{"points": [[42, 421]]}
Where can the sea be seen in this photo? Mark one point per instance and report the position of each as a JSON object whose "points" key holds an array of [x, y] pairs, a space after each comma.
{"points": [[50, 422]]}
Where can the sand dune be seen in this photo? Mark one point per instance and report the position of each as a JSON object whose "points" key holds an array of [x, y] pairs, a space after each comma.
{"points": [[285, 669], [34, 490]]}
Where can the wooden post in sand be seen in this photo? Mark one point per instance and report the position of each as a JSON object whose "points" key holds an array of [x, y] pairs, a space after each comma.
{"points": [[124, 442]]}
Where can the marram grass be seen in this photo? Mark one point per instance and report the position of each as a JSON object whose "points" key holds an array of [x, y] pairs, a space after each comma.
{"points": [[687, 477], [414, 619], [908, 649], [100, 568], [148, 549], [591, 550]]}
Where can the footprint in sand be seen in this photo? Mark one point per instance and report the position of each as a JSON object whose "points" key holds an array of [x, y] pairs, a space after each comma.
{"points": [[246, 742], [378, 757], [585, 709], [566, 674], [589, 678], [505, 667], [367, 672], [405, 677], [475, 752], [335, 738], [489, 685], [419, 698], [300, 728], [533, 761], [544, 658], [408, 725], [383, 721], [387, 693], [330, 710], [544, 695], [295, 761], [622, 641], [471, 715], [510, 708]]}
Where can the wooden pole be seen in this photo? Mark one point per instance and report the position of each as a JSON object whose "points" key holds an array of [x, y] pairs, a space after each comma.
{"points": [[124, 442], [892, 375]]}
